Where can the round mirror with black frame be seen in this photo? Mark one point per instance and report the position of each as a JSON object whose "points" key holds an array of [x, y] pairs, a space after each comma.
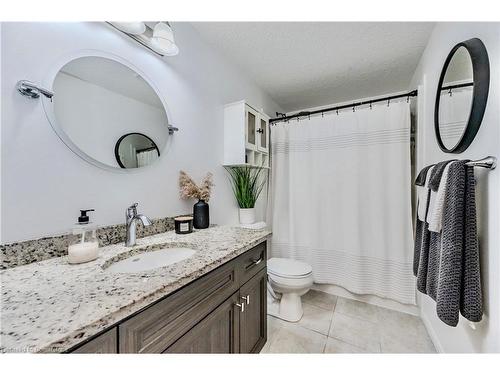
{"points": [[136, 150], [462, 95]]}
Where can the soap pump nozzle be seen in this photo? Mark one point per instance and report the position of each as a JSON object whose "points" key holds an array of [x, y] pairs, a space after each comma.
{"points": [[83, 218]]}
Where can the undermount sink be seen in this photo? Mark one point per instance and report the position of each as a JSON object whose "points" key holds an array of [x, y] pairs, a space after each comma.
{"points": [[151, 259]]}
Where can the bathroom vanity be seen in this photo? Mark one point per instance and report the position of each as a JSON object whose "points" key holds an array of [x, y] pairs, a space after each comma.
{"points": [[221, 312], [211, 302]]}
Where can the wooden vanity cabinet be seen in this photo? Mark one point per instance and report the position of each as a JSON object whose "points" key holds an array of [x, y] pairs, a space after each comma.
{"points": [[228, 329], [105, 343], [224, 311]]}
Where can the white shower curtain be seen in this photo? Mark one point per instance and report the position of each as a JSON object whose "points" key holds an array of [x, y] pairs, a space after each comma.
{"points": [[146, 157], [340, 197], [454, 113]]}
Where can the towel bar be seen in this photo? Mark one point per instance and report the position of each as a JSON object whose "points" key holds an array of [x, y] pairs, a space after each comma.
{"points": [[487, 162]]}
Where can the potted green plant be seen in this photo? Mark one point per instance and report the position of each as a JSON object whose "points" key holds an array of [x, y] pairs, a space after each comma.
{"points": [[247, 184]]}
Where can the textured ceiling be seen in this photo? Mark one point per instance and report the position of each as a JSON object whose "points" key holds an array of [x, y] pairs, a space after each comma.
{"points": [[308, 64]]}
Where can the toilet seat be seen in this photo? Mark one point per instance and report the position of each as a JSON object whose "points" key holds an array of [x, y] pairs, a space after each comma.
{"points": [[288, 268]]}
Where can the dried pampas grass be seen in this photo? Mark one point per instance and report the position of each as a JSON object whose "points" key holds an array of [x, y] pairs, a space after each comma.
{"points": [[189, 188]]}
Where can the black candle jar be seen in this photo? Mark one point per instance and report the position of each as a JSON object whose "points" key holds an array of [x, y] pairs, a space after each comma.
{"points": [[183, 224]]}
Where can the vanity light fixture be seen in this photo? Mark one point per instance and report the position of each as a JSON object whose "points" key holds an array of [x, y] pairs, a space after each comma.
{"points": [[163, 39], [156, 36], [134, 28]]}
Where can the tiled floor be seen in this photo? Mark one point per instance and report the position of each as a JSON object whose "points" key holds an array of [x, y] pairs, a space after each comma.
{"points": [[338, 325]]}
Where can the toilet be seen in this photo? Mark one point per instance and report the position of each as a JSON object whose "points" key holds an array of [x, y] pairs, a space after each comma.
{"points": [[288, 280]]}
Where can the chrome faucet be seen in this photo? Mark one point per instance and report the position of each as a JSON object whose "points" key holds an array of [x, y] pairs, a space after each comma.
{"points": [[131, 217]]}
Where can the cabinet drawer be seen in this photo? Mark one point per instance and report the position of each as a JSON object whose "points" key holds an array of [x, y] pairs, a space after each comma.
{"points": [[105, 343], [251, 262], [156, 328]]}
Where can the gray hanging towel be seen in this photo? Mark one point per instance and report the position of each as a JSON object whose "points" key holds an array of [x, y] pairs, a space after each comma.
{"points": [[438, 170], [428, 281], [447, 264], [459, 281], [422, 176], [471, 301], [421, 242], [426, 244]]}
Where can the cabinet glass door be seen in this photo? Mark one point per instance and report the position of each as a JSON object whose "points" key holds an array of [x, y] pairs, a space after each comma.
{"points": [[251, 128], [263, 135]]}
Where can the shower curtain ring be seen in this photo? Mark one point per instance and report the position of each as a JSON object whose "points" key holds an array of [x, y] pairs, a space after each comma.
{"points": [[353, 109], [337, 112], [388, 102], [370, 105], [450, 92], [408, 99]]}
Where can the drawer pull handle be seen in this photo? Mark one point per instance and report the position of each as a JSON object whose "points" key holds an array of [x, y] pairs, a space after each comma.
{"points": [[246, 299], [255, 262], [241, 306]]}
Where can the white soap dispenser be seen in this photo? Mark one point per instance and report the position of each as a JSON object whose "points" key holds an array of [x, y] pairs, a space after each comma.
{"points": [[84, 247]]}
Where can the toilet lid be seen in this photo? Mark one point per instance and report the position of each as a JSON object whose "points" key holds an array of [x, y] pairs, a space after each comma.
{"points": [[288, 268]]}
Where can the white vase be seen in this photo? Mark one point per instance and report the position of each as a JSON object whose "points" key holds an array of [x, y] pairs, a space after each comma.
{"points": [[247, 215]]}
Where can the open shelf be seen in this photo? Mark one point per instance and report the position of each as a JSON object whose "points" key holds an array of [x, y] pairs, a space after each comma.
{"points": [[253, 159]]}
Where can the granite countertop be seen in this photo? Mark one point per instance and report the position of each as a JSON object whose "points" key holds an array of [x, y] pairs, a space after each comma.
{"points": [[52, 305]]}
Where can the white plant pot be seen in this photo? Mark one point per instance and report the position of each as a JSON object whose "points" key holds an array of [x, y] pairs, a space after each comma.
{"points": [[247, 215]]}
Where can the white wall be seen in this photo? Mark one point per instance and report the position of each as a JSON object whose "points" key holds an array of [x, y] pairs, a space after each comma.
{"points": [[486, 338], [44, 184]]}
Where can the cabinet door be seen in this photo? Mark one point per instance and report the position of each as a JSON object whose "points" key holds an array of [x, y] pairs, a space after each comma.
{"points": [[217, 333], [251, 124], [105, 343], [263, 134], [159, 326], [253, 321]]}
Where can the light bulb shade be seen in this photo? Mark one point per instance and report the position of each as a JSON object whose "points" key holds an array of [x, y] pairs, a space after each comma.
{"points": [[135, 28], [163, 40]]}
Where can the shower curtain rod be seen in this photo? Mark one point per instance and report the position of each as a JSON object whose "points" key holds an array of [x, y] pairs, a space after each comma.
{"points": [[344, 106]]}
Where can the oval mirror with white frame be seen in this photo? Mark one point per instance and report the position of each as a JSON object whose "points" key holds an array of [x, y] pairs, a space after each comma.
{"points": [[108, 113], [461, 96]]}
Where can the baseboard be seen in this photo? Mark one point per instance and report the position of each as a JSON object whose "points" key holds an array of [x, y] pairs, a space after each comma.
{"points": [[432, 334], [371, 299]]}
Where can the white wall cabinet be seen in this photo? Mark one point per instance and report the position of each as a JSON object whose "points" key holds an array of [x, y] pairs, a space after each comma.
{"points": [[246, 135]]}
